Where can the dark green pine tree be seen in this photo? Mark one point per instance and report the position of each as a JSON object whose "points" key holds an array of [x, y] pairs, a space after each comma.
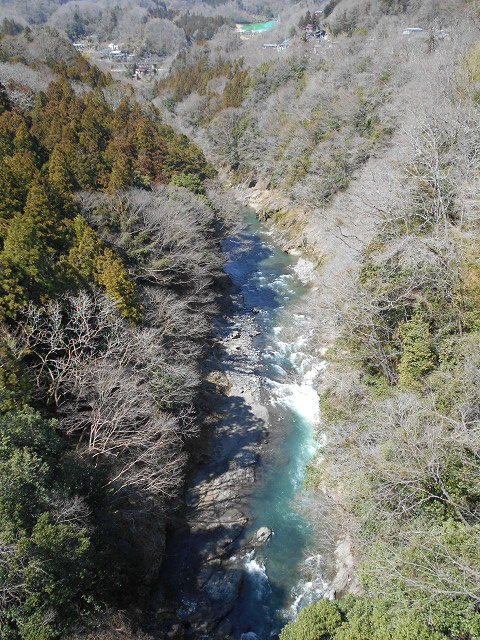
{"points": [[33, 243], [5, 104]]}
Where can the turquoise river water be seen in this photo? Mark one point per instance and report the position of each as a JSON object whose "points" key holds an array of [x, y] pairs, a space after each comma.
{"points": [[286, 574]]}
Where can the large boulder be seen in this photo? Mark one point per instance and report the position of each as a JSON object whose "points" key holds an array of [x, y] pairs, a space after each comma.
{"points": [[263, 535]]}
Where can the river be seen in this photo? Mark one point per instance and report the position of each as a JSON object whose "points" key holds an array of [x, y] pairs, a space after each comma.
{"points": [[222, 583], [280, 577]]}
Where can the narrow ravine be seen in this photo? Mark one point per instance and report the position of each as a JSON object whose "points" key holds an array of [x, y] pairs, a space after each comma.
{"points": [[281, 576], [219, 579]]}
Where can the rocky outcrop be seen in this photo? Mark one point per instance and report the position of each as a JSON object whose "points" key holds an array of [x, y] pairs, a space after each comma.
{"points": [[345, 580], [263, 535], [202, 572]]}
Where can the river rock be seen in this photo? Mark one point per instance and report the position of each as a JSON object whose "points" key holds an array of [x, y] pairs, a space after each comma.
{"points": [[246, 458], [263, 535], [224, 585], [250, 636], [222, 590], [345, 580], [224, 630], [186, 609]]}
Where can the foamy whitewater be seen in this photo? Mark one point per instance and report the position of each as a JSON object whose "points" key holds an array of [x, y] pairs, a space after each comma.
{"points": [[257, 575]]}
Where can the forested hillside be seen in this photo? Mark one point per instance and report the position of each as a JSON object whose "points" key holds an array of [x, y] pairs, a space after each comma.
{"points": [[143, 28], [305, 119], [108, 256], [401, 408], [364, 149], [361, 147]]}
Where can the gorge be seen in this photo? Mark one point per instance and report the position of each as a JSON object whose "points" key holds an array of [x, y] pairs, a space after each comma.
{"points": [[227, 581], [239, 322]]}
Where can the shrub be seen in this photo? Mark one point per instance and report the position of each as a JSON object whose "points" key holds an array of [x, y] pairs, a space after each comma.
{"points": [[316, 622]]}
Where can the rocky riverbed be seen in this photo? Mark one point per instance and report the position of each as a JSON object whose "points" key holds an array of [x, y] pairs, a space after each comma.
{"points": [[224, 575], [202, 572]]}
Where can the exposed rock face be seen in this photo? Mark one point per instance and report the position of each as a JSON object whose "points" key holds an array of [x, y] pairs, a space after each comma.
{"points": [[345, 580], [203, 571], [263, 535]]}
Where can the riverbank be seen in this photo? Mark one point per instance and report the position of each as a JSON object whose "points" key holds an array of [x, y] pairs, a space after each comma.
{"points": [[326, 258], [203, 568], [200, 581], [219, 580]]}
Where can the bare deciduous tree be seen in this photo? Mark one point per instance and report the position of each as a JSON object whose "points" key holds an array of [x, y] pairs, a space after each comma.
{"points": [[110, 383]]}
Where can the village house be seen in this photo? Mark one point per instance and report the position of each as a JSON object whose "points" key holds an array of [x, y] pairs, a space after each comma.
{"points": [[412, 31]]}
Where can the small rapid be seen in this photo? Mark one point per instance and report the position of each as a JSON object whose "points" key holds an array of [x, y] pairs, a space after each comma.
{"points": [[284, 575]]}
